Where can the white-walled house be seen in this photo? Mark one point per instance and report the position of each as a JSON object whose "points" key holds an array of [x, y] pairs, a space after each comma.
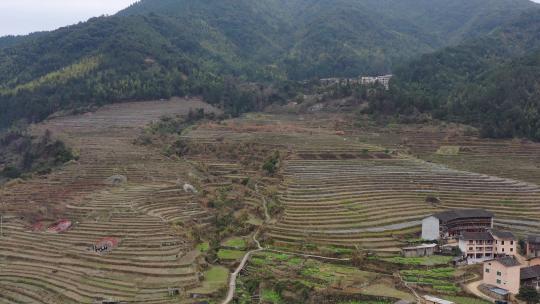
{"points": [[430, 228]]}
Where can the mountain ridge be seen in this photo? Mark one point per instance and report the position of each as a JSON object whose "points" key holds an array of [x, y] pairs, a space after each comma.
{"points": [[160, 48], [491, 82]]}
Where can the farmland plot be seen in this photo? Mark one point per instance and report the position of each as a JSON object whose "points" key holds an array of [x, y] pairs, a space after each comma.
{"points": [[516, 159], [352, 191], [115, 191]]}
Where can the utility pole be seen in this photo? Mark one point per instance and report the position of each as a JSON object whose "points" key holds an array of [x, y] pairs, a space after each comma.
{"points": [[1, 226]]}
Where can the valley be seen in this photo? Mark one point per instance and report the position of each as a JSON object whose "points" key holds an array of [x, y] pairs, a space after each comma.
{"points": [[271, 152], [355, 195]]}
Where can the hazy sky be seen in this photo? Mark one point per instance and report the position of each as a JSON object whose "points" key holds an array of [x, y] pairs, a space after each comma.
{"points": [[26, 16]]}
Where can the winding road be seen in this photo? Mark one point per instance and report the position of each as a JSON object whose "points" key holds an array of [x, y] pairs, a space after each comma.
{"points": [[247, 256], [245, 259]]}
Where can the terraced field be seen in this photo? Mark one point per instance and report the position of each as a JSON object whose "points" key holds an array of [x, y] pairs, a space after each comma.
{"points": [[354, 191], [339, 189], [516, 159], [152, 257], [371, 203]]}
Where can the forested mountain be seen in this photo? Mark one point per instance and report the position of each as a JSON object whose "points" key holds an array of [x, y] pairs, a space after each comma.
{"points": [[159, 48], [316, 38], [492, 82]]}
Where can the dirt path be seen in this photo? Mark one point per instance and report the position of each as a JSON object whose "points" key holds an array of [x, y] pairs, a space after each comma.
{"points": [[245, 259], [473, 289], [247, 256], [234, 275], [408, 287]]}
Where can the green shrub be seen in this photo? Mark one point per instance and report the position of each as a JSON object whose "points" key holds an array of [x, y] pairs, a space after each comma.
{"points": [[272, 164], [11, 172]]}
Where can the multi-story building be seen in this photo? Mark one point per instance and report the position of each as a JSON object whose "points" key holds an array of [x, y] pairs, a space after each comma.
{"points": [[533, 246], [508, 274], [477, 246], [382, 80], [481, 246], [452, 223], [504, 273], [365, 80], [505, 242]]}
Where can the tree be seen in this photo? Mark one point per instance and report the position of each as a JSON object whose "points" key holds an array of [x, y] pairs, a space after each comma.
{"points": [[272, 164], [529, 295]]}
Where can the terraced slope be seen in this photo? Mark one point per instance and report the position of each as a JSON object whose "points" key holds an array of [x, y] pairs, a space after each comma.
{"points": [[353, 191], [515, 159], [152, 256], [370, 203]]}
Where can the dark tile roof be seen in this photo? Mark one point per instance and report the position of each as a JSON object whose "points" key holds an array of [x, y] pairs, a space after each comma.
{"points": [[462, 213], [508, 261], [530, 272], [484, 236], [533, 239], [507, 235]]}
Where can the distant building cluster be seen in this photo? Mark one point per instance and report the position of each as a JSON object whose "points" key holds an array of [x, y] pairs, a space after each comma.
{"points": [[471, 230], [363, 80], [382, 80]]}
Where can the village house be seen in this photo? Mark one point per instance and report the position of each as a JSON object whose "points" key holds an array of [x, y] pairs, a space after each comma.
{"points": [[530, 277], [365, 80], [504, 273], [533, 246], [434, 300], [478, 247], [419, 251], [382, 80], [452, 223], [505, 242]]}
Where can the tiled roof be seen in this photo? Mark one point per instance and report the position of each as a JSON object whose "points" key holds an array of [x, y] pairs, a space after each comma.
{"points": [[530, 272], [508, 261], [482, 236], [462, 213], [503, 234], [533, 239], [437, 300], [423, 246]]}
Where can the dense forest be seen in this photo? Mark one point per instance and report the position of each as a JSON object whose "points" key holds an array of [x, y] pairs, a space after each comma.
{"points": [[239, 54], [492, 82]]}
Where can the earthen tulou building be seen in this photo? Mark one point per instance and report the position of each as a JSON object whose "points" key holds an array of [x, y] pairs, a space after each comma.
{"points": [[452, 224]]}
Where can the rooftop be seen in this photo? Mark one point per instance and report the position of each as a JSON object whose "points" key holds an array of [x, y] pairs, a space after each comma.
{"points": [[499, 291], [437, 300], [420, 246], [508, 261], [463, 213], [483, 236], [530, 272], [533, 239], [503, 234]]}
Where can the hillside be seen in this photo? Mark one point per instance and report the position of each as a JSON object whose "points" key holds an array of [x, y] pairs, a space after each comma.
{"points": [[338, 191], [491, 82], [162, 48]]}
